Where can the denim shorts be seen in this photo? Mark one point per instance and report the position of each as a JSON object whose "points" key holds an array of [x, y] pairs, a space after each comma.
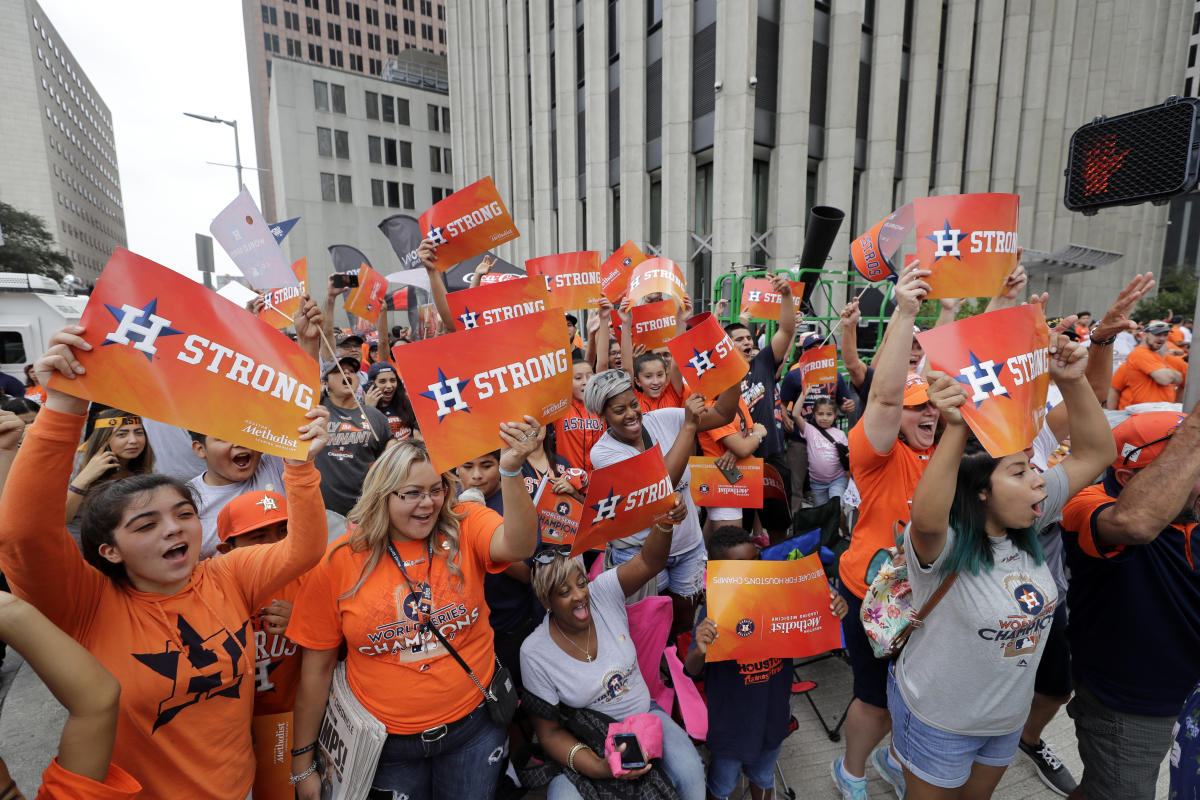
{"points": [[938, 757], [723, 772], [684, 573]]}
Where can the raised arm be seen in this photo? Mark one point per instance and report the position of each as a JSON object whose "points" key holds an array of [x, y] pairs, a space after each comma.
{"points": [[850, 316], [948, 311], [652, 558], [73, 675], [1010, 292], [427, 252], [331, 296], [881, 419], [309, 321], [516, 539], [685, 442], [934, 494], [722, 411], [1092, 445], [785, 332]]}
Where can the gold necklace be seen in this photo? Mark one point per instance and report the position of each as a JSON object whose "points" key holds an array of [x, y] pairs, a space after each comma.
{"points": [[586, 653]]}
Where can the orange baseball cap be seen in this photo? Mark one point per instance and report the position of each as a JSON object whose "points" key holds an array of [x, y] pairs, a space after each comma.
{"points": [[916, 390], [1143, 436], [249, 512]]}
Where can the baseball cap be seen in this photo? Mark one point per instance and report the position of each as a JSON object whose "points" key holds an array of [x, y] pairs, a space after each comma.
{"points": [[349, 364], [916, 390], [1143, 436], [378, 367], [249, 512], [1157, 327], [350, 338], [809, 340]]}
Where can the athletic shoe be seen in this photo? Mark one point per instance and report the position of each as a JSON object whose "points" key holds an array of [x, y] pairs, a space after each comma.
{"points": [[1050, 769], [850, 789], [894, 777]]}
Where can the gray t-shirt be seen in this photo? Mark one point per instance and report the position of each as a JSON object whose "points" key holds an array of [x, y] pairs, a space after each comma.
{"points": [[970, 668], [612, 684], [351, 451], [211, 499], [663, 426]]}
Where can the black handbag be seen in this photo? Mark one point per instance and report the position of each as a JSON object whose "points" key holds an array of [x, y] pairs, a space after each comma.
{"points": [[842, 450], [500, 695]]}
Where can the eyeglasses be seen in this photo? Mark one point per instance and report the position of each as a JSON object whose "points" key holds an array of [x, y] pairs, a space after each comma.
{"points": [[547, 555], [1125, 460], [414, 496]]}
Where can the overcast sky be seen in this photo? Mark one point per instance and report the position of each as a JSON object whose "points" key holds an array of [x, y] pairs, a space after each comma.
{"points": [[150, 61]]}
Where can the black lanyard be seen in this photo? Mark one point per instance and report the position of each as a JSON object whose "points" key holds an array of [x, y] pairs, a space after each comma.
{"points": [[425, 602]]}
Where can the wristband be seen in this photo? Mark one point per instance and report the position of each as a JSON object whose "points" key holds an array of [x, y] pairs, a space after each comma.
{"points": [[76, 490], [1104, 342], [508, 474], [299, 751], [298, 778], [571, 757]]}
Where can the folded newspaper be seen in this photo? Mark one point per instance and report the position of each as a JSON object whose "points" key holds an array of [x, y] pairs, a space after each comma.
{"points": [[351, 740]]}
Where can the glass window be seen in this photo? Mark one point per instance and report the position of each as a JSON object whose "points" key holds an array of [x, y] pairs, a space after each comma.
{"points": [[410, 200], [339, 98], [435, 160], [12, 349], [341, 144], [344, 194], [372, 105], [321, 94], [328, 192], [434, 117], [446, 161], [402, 111], [374, 150], [376, 192], [389, 111], [389, 152], [445, 119], [405, 154], [393, 194], [436, 193], [324, 142]]}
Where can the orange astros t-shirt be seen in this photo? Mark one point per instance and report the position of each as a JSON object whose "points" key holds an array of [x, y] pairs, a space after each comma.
{"points": [[405, 679], [710, 440], [668, 399], [60, 784], [1140, 386], [886, 482], [276, 660], [576, 434]]}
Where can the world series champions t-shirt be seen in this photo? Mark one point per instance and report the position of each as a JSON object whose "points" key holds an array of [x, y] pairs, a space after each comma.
{"points": [[758, 392], [351, 451]]}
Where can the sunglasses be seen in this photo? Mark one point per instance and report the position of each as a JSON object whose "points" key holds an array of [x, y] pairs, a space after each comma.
{"points": [[1125, 460], [548, 555]]}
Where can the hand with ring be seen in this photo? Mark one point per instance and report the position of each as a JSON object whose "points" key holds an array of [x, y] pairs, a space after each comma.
{"points": [[520, 439]]}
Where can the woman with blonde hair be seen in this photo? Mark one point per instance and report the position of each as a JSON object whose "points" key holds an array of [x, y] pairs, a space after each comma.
{"points": [[116, 449], [401, 585]]}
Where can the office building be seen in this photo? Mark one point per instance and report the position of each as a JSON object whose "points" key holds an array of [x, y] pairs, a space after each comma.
{"points": [[59, 158], [704, 130]]}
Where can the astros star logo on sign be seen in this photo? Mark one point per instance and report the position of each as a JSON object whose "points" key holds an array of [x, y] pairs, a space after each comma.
{"points": [[701, 361], [946, 241], [447, 393], [983, 378], [469, 319], [607, 508], [139, 327]]}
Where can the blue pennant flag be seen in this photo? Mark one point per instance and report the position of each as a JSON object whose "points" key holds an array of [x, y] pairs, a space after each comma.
{"points": [[281, 229]]}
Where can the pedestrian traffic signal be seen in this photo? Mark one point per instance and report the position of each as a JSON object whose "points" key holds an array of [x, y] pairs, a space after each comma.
{"points": [[1150, 155]]}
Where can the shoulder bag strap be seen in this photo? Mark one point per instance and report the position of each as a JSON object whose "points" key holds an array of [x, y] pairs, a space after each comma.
{"points": [[823, 432], [934, 599]]}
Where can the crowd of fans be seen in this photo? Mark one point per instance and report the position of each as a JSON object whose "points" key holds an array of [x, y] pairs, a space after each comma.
{"points": [[168, 586]]}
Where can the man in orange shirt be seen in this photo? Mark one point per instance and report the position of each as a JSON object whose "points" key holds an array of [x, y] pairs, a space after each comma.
{"points": [[1149, 378]]}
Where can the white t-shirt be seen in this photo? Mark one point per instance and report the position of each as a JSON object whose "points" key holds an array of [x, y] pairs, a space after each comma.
{"points": [[970, 668], [211, 499], [612, 684], [663, 426]]}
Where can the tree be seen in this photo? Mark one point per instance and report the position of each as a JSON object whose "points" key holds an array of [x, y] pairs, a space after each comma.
{"points": [[28, 245], [1176, 295]]}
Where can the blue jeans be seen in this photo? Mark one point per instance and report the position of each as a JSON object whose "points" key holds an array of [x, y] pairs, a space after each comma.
{"points": [[680, 760], [683, 575], [466, 762], [723, 772], [824, 491]]}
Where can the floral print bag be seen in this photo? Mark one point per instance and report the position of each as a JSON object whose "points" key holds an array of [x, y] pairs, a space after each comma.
{"points": [[888, 615]]}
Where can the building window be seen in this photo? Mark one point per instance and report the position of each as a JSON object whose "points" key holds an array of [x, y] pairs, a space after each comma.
{"points": [[434, 117], [441, 12], [389, 152], [321, 95], [356, 62], [436, 193], [389, 109], [406, 154], [315, 53], [344, 194], [339, 98], [372, 41], [410, 5], [393, 47], [410, 27], [333, 6], [427, 31], [445, 119], [435, 159], [372, 16], [328, 188], [335, 58], [324, 142], [313, 26], [268, 15], [372, 105], [446, 161], [376, 66], [410, 199], [354, 36], [341, 144], [374, 150], [427, 7], [441, 35], [271, 42], [352, 11], [333, 32], [391, 22], [376, 192], [393, 194]]}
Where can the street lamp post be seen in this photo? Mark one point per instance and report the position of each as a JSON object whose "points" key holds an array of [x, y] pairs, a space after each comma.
{"points": [[237, 148]]}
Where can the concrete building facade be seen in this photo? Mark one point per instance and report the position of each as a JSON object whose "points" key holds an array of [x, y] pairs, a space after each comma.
{"points": [[357, 36], [350, 150], [704, 130], [59, 157]]}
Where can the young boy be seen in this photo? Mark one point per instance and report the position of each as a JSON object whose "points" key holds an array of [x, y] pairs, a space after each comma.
{"points": [[231, 470], [748, 702]]}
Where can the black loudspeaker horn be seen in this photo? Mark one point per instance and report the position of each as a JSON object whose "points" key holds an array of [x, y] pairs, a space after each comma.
{"points": [[823, 225]]}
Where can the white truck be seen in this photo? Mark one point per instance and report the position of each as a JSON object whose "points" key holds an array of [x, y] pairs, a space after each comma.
{"points": [[32, 307]]}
